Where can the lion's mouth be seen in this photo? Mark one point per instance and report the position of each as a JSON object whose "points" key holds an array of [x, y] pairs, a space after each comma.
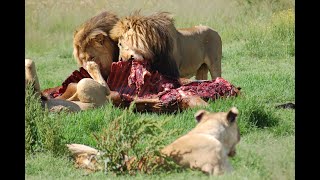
{"points": [[132, 59], [135, 57]]}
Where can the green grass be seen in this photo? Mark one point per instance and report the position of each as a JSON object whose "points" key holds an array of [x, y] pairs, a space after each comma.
{"points": [[258, 55]]}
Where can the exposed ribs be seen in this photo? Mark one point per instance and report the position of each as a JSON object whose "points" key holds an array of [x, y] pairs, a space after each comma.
{"points": [[134, 81], [134, 78]]}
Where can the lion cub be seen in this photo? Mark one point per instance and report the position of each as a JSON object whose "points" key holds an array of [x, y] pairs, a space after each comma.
{"points": [[208, 145]]}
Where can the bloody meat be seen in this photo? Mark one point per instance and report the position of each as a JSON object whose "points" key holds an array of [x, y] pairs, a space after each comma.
{"points": [[134, 81]]}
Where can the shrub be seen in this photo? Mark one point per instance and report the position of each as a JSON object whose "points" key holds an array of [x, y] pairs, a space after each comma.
{"points": [[132, 143], [42, 130]]}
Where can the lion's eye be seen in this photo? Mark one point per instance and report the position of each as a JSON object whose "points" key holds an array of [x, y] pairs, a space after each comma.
{"points": [[120, 44], [90, 58]]}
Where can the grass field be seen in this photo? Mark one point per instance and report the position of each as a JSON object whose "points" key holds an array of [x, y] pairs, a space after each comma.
{"points": [[258, 55]]}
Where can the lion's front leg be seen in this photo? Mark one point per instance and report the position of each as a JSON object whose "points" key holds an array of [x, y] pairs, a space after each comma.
{"points": [[95, 73]]}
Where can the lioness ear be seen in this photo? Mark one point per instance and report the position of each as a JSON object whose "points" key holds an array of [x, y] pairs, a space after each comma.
{"points": [[232, 114], [198, 115]]}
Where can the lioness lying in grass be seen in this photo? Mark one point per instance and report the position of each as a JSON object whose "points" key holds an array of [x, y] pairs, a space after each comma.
{"points": [[87, 93], [208, 145]]}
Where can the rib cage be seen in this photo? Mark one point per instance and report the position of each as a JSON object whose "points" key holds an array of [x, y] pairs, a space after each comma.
{"points": [[151, 91]]}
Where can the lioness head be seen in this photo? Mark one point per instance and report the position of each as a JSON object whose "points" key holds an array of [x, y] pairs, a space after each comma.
{"points": [[91, 42], [222, 125], [147, 38]]}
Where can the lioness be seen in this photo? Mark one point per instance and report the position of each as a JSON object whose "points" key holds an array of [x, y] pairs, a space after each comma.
{"points": [[174, 52], [208, 145], [87, 93]]}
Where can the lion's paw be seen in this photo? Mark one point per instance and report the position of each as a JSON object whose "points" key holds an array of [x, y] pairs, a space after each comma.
{"points": [[92, 66]]}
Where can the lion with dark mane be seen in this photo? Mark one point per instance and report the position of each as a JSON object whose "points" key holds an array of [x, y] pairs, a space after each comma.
{"points": [[95, 51], [173, 52], [91, 42]]}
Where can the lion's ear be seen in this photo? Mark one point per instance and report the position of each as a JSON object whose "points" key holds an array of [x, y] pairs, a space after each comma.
{"points": [[99, 38], [232, 114], [199, 114], [97, 35], [119, 29]]}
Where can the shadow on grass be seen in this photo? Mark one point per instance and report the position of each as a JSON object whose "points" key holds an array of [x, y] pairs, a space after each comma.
{"points": [[262, 119]]}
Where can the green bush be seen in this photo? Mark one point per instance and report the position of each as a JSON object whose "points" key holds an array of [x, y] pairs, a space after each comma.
{"points": [[42, 130], [133, 136]]}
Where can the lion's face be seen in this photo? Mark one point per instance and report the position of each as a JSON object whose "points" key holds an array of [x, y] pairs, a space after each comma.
{"points": [[99, 49], [211, 142], [91, 42], [222, 125], [131, 47], [147, 38], [143, 37]]}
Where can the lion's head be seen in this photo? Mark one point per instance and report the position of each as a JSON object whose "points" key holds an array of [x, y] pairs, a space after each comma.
{"points": [[91, 42], [223, 125], [147, 38]]}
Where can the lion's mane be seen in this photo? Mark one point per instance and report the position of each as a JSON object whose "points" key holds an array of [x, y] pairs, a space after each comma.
{"points": [[152, 34], [97, 29], [101, 23]]}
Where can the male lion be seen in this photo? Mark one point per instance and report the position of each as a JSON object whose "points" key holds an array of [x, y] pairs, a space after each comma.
{"points": [[91, 42], [208, 145], [174, 52], [95, 51]]}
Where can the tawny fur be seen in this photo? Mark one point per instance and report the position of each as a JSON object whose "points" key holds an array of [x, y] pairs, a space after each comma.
{"points": [[208, 145], [197, 51], [85, 157], [147, 38], [87, 93], [31, 77], [95, 51], [175, 52], [91, 42]]}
